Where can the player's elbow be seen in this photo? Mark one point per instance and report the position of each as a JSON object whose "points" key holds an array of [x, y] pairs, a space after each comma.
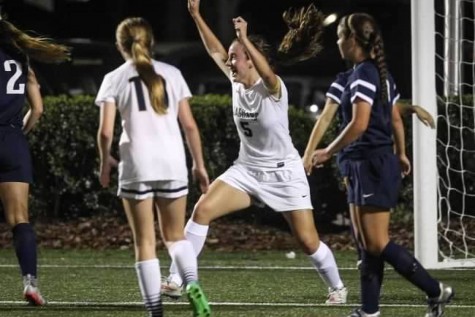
{"points": [[105, 135], [358, 128]]}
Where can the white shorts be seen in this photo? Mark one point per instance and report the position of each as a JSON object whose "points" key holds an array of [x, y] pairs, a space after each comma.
{"points": [[282, 189], [144, 190]]}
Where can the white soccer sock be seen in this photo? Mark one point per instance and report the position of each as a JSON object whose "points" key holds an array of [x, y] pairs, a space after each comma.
{"points": [[184, 259], [325, 264], [196, 234], [148, 274]]}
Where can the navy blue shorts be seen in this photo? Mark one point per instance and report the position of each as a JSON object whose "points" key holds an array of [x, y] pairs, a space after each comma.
{"points": [[375, 181], [15, 158], [342, 163], [343, 167]]}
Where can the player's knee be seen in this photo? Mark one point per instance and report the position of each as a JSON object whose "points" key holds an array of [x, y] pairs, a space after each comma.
{"points": [[17, 214], [308, 243], [145, 244], [202, 213], [371, 266], [374, 248]]}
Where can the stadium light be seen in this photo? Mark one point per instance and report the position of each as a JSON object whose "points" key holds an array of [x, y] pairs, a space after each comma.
{"points": [[331, 18]]}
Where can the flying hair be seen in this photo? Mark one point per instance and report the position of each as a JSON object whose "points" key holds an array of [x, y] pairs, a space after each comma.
{"points": [[303, 39], [39, 48]]}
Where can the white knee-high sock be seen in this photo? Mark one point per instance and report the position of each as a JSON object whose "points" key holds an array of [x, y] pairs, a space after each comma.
{"points": [[196, 234], [148, 274], [184, 259], [325, 264]]}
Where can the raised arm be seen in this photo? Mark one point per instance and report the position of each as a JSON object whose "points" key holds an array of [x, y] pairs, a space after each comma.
{"points": [[319, 129], [260, 61], [213, 46]]}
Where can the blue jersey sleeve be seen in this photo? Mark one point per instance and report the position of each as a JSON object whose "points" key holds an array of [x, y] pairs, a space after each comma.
{"points": [[364, 83], [337, 87]]}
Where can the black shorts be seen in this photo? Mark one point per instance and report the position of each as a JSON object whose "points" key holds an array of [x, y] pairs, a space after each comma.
{"points": [[15, 158], [374, 181]]}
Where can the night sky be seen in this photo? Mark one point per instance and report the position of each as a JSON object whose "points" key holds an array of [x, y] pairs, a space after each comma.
{"points": [[97, 19]]}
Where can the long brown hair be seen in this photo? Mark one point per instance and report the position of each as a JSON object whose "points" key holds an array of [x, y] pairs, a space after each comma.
{"points": [[368, 35], [303, 39], [301, 42], [135, 36], [39, 48]]}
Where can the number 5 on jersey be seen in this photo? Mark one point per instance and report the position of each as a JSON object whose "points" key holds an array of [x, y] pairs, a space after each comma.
{"points": [[246, 129]]}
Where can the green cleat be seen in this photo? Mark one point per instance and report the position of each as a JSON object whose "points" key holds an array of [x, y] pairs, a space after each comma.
{"points": [[198, 300]]}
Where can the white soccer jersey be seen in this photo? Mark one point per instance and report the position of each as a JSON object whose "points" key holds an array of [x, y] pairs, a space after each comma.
{"points": [[151, 145], [263, 126]]}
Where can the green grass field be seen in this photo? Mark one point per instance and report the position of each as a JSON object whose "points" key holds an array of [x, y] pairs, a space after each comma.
{"points": [[94, 283]]}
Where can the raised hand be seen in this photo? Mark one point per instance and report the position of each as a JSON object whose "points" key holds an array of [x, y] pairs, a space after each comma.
{"points": [[194, 7], [240, 25]]}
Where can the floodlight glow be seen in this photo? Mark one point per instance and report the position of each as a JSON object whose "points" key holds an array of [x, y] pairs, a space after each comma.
{"points": [[331, 18], [313, 108]]}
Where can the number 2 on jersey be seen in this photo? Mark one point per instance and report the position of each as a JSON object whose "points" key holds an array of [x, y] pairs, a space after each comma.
{"points": [[11, 90], [246, 129]]}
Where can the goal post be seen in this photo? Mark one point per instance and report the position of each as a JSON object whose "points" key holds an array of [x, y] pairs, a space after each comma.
{"points": [[424, 140], [443, 74]]}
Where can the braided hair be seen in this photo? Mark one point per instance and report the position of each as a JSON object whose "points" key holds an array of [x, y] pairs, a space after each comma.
{"points": [[368, 35]]}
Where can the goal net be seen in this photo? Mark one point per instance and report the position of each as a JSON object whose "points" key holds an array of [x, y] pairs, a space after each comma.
{"points": [[444, 159]]}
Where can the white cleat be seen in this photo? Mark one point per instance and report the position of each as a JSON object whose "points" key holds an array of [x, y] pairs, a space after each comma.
{"points": [[31, 293], [436, 304], [337, 296], [170, 288]]}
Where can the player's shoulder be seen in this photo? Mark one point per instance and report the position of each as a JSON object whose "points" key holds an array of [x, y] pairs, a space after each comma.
{"points": [[366, 71], [342, 77], [125, 68], [166, 68]]}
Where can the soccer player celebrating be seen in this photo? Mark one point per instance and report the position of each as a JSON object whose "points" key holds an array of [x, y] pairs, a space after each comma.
{"points": [[268, 168], [152, 97]]}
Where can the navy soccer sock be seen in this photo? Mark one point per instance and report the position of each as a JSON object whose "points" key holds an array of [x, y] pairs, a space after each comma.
{"points": [[371, 278], [24, 239], [406, 264]]}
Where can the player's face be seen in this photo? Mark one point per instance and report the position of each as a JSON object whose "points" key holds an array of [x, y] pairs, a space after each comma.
{"points": [[238, 62], [345, 43]]}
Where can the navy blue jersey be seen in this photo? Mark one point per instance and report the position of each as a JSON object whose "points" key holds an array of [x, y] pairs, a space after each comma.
{"points": [[364, 82], [13, 77]]}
